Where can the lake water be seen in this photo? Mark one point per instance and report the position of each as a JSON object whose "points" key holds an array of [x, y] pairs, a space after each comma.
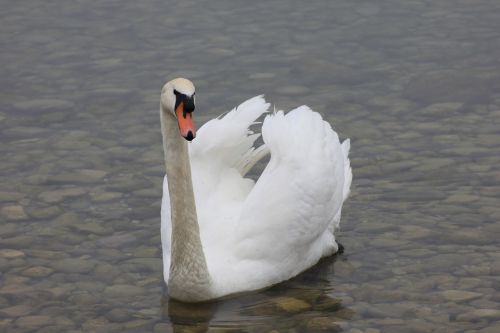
{"points": [[414, 84]]}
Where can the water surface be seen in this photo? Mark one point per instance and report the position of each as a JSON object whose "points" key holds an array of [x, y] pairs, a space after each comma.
{"points": [[414, 84]]}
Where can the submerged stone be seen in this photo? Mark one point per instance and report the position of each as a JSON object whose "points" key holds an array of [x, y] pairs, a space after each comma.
{"points": [[10, 253], [16, 311], [37, 271], [479, 314], [290, 304], [460, 295], [14, 213], [321, 324]]}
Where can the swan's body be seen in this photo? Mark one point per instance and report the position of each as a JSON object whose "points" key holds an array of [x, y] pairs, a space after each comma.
{"points": [[250, 235]]}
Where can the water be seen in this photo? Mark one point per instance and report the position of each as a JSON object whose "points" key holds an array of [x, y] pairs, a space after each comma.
{"points": [[414, 84]]}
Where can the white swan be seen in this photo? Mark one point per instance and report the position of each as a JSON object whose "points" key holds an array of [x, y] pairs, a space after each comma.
{"points": [[240, 235]]}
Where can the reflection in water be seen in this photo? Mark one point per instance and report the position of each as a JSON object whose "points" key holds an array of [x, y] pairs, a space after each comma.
{"points": [[303, 302], [195, 316]]}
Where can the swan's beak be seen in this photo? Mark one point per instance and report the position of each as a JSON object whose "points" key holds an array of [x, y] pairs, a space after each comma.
{"points": [[185, 120]]}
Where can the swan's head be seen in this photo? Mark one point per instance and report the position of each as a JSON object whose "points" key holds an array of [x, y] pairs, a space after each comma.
{"points": [[177, 97]]}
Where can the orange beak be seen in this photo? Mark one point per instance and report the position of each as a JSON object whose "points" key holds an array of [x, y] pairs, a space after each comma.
{"points": [[185, 120]]}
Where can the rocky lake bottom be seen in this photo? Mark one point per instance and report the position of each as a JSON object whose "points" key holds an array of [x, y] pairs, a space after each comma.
{"points": [[414, 84]]}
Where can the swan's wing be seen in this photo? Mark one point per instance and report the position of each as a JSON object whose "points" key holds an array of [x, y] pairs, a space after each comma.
{"points": [[285, 219], [220, 156], [227, 141]]}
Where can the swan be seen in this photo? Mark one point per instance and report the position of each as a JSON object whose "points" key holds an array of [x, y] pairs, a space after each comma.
{"points": [[222, 233]]}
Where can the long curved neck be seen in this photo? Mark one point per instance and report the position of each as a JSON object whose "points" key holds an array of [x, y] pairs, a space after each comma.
{"points": [[189, 279]]}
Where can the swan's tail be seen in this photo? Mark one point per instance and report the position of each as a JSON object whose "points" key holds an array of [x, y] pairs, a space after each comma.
{"points": [[346, 146]]}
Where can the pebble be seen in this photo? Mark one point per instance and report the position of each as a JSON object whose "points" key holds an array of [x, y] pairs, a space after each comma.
{"points": [[14, 213], [37, 271], [290, 305], [117, 240], [460, 295], [16, 311], [461, 198], [61, 291], [147, 193], [106, 273], [479, 314], [10, 253], [143, 324], [91, 227], [322, 324], [415, 232], [105, 196], [67, 219]]}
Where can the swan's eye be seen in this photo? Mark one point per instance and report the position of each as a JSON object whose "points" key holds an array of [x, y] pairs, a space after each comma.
{"points": [[179, 97]]}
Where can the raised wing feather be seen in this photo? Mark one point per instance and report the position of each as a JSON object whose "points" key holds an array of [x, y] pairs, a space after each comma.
{"points": [[227, 141]]}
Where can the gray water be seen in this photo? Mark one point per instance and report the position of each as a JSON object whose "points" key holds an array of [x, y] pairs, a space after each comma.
{"points": [[414, 84]]}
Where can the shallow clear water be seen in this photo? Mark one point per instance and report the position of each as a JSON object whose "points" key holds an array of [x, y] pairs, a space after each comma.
{"points": [[414, 84]]}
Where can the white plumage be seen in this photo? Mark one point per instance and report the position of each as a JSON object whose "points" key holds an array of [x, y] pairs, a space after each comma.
{"points": [[255, 235]]}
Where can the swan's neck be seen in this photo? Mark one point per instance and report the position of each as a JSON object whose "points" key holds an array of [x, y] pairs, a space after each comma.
{"points": [[189, 278]]}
